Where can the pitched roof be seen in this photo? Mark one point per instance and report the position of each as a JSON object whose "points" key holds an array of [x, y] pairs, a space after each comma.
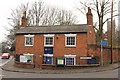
{"points": [[53, 29]]}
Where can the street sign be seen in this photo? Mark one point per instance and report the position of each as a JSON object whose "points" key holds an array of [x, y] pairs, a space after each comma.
{"points": [[85, 57], [104, 43], [105, 36]]}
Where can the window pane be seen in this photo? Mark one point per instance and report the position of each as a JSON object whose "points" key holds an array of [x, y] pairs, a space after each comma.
{"points": [[29, 41], [69, 61], [49, 41], [67, 40], [70, 40]]}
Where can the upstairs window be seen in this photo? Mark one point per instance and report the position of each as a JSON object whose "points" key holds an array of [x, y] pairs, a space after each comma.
{"points": [[49, 40], [70, 40], [29, 40]]}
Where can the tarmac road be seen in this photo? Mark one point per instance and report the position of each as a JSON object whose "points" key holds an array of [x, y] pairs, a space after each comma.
{"points": [[3, 62], [104, 74]]}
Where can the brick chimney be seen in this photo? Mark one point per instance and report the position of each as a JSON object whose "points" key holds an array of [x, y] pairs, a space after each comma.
{"points": [[24, 20], [89, 17]]}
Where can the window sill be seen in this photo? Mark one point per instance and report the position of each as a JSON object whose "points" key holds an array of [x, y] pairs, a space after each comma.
{"points": [[28, 45], [48, 64], [70, 46], [71, 65], [48, 46]]}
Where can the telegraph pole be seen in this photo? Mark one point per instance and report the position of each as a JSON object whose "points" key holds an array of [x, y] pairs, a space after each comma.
{"points": [[111, 30]]}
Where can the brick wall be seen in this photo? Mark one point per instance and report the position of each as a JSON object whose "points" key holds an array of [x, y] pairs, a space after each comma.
{"points": [[91, 38], [106, 53], [59, 48]]}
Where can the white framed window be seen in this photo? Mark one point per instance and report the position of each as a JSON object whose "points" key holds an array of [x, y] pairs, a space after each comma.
{"points": [[70, 40], [70, 59], [49, 40], [29, 40]]}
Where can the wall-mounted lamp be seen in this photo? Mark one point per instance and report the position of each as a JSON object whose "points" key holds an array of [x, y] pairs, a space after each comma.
{"points": [[90, 32]]}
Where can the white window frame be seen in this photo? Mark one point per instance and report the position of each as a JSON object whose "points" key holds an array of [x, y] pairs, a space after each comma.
{"points": [[49, 55], [70, 56], [48, 35], [70, 35], [29, 36]]}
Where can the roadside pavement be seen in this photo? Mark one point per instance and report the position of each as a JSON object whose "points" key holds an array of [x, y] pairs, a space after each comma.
{"points": [[10, 67]]}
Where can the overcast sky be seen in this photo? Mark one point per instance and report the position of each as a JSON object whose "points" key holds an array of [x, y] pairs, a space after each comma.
{"points": [[7, 5]]}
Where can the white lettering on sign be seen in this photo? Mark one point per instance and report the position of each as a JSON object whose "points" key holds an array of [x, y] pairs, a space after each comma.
{"points": [[85, 57]]}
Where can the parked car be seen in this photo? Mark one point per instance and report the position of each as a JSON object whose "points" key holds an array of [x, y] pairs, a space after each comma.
{"points": [[5, 55]]}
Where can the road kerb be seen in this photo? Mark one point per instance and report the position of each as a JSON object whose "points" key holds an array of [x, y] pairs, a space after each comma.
{"points": [[41, 72]]}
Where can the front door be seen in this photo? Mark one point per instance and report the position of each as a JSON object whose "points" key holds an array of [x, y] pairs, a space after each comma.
{"points": [[48, 60]]}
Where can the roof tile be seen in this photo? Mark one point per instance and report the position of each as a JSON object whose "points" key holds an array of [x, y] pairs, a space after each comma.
{"points": [[54, 29]]}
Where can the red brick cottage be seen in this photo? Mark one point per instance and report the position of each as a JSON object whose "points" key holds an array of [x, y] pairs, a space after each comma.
{"points": [[43, 45]]}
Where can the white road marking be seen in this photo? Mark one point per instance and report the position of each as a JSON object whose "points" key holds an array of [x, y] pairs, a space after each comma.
{"points": [[6, 61]]}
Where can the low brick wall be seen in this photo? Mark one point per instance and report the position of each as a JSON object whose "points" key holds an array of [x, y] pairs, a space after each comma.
{"points": [[23, 65], [45, 66], [68, 67], [106, 53]]}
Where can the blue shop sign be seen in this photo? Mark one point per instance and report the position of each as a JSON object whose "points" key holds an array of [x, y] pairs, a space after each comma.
{"points": [[48, 50]]}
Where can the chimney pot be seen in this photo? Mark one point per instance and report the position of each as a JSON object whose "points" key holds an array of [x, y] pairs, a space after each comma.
{"points": [[89, 10], [89, 17], [24, 20]]}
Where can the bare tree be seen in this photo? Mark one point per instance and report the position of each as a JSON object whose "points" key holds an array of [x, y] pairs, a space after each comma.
{"points": [[50, 17], [14, 22], [66, 18], [58, 17], [37, 14], [40, 14], [102, 8]]}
